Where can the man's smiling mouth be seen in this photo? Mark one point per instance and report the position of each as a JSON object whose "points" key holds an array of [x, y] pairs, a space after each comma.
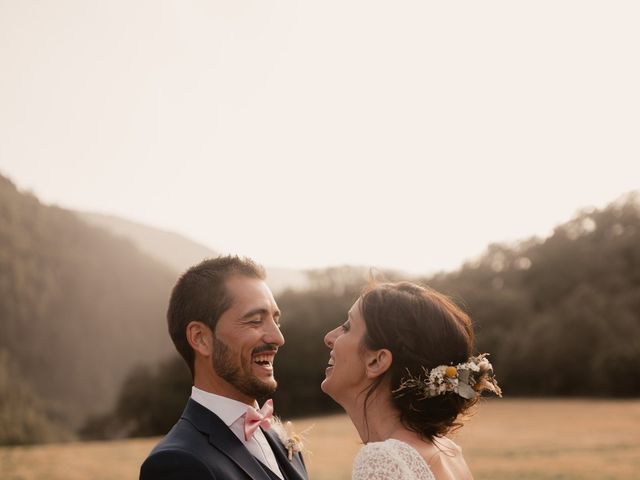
{"points": [[264, 360]]}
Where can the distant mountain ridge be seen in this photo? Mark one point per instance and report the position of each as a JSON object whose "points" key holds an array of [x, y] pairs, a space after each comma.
{"points": [[179, 252], [175, 250], [78, 307], [83, 301]]}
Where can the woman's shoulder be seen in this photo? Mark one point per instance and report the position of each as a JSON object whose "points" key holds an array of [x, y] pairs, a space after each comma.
{"points": [[446, 445], [390, 459], [446, 460]]}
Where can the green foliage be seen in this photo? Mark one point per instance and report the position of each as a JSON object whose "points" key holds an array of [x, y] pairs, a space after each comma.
{"points": [[23, 417], [149, 403], [559, 316], [307, 316], [78, 307], [152, 399]]}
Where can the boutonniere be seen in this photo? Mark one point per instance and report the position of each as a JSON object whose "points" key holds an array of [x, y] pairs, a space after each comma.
{"points": [[291, 440]]}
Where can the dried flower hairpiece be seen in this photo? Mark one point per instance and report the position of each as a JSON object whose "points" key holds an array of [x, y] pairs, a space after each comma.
{"points": [[291, 440], [467, 379]]}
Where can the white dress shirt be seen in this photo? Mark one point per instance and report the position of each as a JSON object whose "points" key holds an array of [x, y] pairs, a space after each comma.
{"points": [[231, 413]]}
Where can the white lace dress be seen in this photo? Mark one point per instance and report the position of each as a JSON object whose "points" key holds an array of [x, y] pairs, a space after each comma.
{"points": [[390, 460]]}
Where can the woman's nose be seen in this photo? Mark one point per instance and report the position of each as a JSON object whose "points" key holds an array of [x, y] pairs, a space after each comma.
{"points": [[330, 338]]}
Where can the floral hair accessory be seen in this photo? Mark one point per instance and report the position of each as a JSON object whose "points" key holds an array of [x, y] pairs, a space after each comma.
{"points": [[467, 379], [292, 441]]}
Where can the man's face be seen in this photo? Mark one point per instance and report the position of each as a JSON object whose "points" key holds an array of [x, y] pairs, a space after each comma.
{"points": [[247, 338]]}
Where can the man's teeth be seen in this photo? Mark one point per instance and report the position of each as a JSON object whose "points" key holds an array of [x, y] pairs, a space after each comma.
{"points": [[263, 359]]}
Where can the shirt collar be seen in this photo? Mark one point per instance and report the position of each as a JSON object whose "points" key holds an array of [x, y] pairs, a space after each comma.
{"points": [[227, 409]]}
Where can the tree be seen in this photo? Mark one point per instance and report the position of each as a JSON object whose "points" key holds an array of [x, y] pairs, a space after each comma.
{"points": [[23, 417]]}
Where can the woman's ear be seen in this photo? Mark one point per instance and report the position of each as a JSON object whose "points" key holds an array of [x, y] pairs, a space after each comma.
{"points": [[378, 362], [200, 338]]}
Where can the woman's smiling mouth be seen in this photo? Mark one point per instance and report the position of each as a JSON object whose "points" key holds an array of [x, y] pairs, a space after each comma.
{"points": [[330, 364]]}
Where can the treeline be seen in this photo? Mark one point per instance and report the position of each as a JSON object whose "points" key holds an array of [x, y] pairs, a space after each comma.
{"points": [[24, 416], [78, 308], [153, 397], [560, 317]]}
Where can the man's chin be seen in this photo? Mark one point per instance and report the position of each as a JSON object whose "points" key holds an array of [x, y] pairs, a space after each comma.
{"points": [[263, 377], [269, 386], [263, 387]]}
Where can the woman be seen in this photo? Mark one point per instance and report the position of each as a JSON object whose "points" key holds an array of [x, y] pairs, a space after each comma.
{"points": [[402, 369]]}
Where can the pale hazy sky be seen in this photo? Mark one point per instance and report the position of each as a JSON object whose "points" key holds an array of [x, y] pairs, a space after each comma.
{"points": [[390, 134]]}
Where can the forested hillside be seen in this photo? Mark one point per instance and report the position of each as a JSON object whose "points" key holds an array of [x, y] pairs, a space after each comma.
{"points": [[179, 252], [560, 317], [82, 321], [174, 250], [78, 307]]}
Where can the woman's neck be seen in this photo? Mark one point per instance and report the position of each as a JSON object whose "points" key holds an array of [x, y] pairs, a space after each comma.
{"points": [[382, 420]]}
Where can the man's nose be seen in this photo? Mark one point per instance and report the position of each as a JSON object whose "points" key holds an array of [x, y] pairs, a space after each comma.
{"points": [[274, 335]]}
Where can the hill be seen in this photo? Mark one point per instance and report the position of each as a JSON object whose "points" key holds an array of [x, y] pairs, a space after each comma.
{"points": [[179, 252], [561, 315], [78, 306], [174, 250]]}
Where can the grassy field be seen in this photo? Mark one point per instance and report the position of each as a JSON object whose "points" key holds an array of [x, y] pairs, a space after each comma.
{"points": [[506, 439]]}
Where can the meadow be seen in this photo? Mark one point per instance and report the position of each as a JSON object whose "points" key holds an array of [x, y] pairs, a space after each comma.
{"points": [[505, 439]]}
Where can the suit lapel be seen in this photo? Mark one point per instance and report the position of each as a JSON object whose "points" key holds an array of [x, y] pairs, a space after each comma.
{"points": [[292, 469], [222, 438]]}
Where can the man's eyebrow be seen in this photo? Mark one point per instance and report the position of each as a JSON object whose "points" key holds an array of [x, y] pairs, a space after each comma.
{"points": [[259, 311]]}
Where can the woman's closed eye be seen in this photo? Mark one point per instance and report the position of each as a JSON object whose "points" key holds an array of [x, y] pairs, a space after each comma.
{"points": [[346, 326]]}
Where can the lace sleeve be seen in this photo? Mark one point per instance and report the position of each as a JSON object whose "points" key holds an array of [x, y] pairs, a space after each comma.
{"points": [[385, 461]]}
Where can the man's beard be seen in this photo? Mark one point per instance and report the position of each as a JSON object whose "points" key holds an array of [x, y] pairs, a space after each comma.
{"points": [[244, 381]]}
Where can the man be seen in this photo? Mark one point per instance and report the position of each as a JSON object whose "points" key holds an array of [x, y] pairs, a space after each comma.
{"points": [[224, 322]]}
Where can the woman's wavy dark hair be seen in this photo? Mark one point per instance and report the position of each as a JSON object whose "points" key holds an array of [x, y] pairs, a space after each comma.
{"points": [[421, 328]]}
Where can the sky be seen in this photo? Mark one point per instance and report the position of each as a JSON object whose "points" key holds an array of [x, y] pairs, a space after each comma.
{"points": [[406, 135]]}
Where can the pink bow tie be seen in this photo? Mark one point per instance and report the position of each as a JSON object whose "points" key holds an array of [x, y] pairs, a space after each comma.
{"points": [[257, 418]]}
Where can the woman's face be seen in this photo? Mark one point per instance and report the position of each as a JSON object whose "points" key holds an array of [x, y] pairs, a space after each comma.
{"points": [[345, 375]]}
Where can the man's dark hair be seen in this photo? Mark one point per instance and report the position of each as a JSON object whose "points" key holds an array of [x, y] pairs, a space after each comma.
{"points": [[200, 295]]}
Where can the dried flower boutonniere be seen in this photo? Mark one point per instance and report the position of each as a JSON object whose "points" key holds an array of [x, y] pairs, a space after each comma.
{"points": [[291, 440]]}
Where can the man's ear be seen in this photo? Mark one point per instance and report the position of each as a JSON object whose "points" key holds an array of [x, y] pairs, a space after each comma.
{"points": [[378, 362], [200, 338]]}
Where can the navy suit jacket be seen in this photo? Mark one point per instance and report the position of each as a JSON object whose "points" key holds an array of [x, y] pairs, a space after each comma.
{"points": [[200, 446]]}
